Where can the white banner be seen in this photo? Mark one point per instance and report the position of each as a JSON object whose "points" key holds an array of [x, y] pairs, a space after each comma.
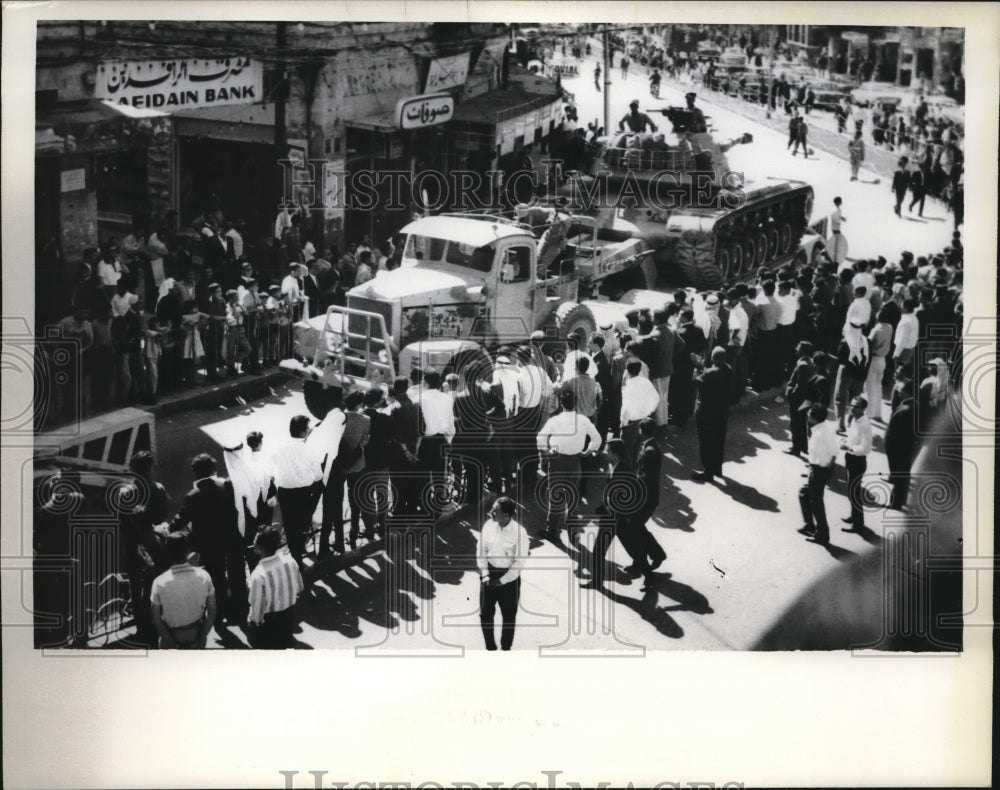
{"points": [[189, 82]]}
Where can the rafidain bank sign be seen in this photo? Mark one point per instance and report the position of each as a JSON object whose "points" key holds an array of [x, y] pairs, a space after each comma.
{"points": [[186, 82]]}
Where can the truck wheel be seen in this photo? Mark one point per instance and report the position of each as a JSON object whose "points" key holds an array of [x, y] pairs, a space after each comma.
{"points": [[576, 323], [772, 243], [749, 254]]}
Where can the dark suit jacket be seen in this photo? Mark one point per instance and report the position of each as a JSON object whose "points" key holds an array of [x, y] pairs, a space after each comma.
{"points": [[649, 467], [603, 374], [901, 431], [209, 511], [716, 391], [310, 286], [621, 496]]}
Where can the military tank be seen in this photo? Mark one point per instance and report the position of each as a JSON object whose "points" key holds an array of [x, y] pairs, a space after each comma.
{"points": [[703, 221]]}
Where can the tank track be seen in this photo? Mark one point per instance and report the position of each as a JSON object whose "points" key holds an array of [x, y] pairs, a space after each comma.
{"points": [[752, 237]]}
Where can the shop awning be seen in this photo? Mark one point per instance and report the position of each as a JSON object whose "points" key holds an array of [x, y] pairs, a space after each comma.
{"points": [[89, 111], [383, 121]]}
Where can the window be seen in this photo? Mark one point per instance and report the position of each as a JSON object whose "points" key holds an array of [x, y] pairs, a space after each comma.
{"points": [[427, 248], [516, 266]]}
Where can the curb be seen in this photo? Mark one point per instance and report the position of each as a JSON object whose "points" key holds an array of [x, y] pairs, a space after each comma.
{"points": [[247, 386]]}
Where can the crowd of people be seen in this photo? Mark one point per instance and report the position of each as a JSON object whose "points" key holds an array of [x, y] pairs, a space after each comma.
{"points": [[551, 425], [154, 313]]}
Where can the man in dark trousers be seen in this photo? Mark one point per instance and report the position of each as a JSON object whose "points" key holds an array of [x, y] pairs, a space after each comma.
{"points": [[715, 396], [622, 500], [822, 457], [649, 471], [900, 445], [298, 476], [797, 392], [374, 494], [900, 183], [209, 513], [917, 191], [690, 341]]}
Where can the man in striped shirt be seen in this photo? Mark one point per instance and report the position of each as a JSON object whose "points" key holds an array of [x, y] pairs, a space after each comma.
{"points": [[275, 585]]}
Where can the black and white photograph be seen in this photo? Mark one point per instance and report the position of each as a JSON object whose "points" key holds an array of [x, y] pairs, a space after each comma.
{"points": [[423, 337]]}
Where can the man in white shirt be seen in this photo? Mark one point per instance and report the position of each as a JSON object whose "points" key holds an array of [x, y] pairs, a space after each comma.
{"points": [[182, 598], [822, 457], [291, 288], [739, 329], [864, 279], [639, 400], [563, 439], [858, 446], [859, 311], [788, 300], [122, 301], [275, 586], [437, 413], [298, 476], [907, 332], [503, 546]]}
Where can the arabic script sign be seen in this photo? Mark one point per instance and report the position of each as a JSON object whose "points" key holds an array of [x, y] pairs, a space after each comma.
{"points": [[187, 82], [425, 110], [447, 72]]}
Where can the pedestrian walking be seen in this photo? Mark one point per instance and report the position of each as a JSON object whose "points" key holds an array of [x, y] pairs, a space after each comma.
{"points": [[917, 191], [597, 77], [900, 183], [182, 598], [275, 586], [857, 446], [668, 346], [715, 396], [503, 547], [822, 456], [855, 151]]}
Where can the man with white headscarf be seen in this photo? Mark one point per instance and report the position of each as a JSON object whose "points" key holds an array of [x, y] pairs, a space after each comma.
{"points": [[253, 487], [853, 357]]}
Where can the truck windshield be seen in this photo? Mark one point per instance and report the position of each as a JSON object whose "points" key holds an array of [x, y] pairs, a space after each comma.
{"points": [[428, 248]]}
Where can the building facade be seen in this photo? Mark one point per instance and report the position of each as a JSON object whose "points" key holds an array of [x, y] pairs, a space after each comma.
{"points": [[156, 123]]}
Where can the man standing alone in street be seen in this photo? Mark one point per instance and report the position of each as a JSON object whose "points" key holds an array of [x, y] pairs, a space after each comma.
{"points": [[503, 546]]}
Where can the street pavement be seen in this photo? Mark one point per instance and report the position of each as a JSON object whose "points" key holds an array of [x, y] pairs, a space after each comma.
{"points": [[735, 560]]}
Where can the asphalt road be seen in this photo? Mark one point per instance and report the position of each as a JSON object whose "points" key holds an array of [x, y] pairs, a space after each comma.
{"points": [[735, 560]]}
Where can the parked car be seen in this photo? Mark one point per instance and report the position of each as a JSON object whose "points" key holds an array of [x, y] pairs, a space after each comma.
{"points": [[828, 94], [867, 93]]}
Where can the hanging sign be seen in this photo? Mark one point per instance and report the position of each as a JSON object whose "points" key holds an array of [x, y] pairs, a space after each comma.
{"points": [[186, 82], [426, 110]]}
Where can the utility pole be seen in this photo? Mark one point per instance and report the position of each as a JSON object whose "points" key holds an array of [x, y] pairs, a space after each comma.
{"points": [[607, 82], [280, 136]]}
